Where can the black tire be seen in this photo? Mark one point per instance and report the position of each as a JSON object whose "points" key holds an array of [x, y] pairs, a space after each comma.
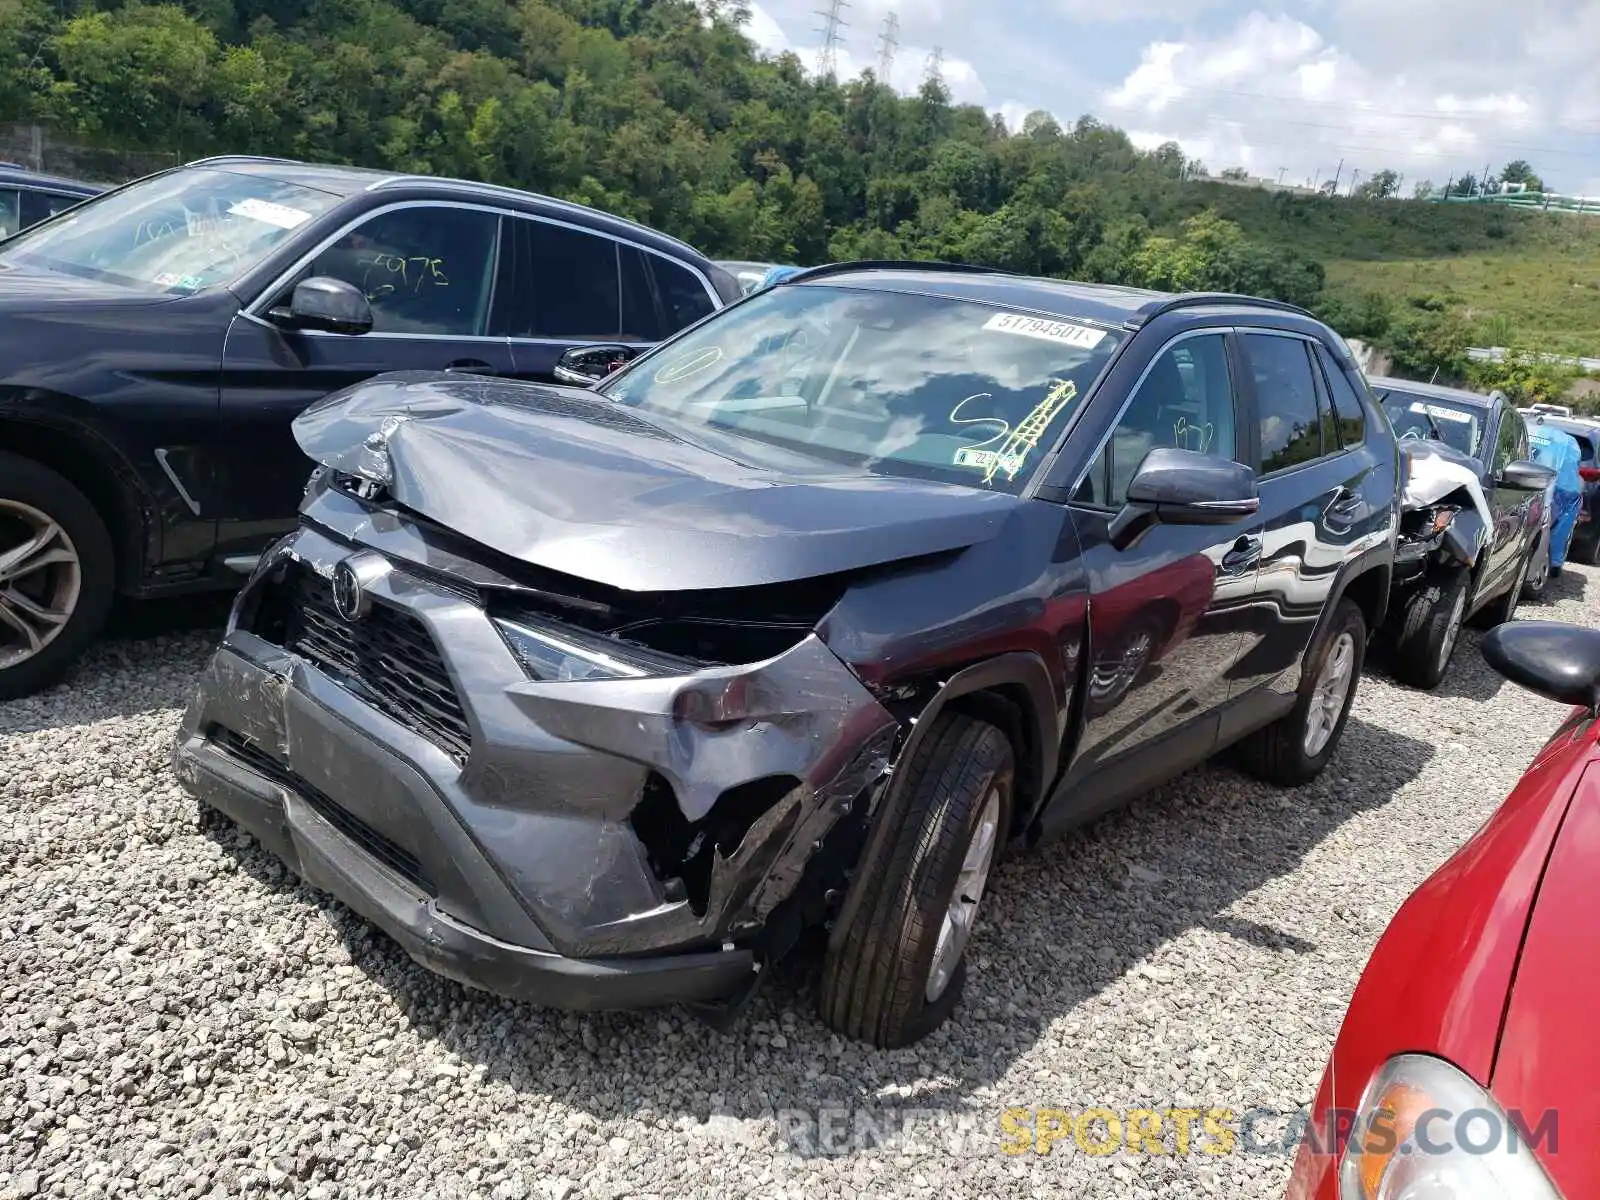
{"points": [[24, 482], [1278, 754], [1429, 627], [1586, 550], [876, 974]]}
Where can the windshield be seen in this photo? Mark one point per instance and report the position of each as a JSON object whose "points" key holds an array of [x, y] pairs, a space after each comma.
{"points": [[1459, 426], [880, 382], [174, 234]]}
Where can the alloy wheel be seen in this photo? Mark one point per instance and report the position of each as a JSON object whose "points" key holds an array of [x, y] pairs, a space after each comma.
{"points": [[1331, 692], [962, 912], [41, 580]]}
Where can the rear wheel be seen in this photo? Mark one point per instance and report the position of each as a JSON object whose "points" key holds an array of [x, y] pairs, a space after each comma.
{"points": [[56, 575], [1294, 749], [1537, 578], [1430, 625], [898, 969]]}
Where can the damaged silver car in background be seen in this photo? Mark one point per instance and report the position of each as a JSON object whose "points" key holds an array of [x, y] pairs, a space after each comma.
{"points": [[1472, 516]]}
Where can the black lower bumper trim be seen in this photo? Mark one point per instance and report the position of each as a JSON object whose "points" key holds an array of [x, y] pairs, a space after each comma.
{"points": [[292, 828]]}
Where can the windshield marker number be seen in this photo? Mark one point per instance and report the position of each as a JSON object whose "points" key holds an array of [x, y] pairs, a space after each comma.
{"points": [[1065, 333]]}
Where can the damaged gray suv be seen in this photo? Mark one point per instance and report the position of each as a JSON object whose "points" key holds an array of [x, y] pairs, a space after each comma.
{"points": [[602, 698]]}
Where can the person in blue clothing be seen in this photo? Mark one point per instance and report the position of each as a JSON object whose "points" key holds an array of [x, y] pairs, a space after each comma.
{"points": [[1558, 450]]}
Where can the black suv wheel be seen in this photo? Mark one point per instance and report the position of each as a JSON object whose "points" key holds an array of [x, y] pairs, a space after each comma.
{"points": [[900, 966], [1295, 749], [56, 575]]}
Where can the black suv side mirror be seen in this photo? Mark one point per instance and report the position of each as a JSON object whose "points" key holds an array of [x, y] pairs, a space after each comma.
{"points": [[1184, 487], [585, 366], [326, 304], [1526, 475]]}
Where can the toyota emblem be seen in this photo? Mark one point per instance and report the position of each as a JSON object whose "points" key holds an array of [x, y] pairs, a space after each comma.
{"points": [[353, 578]]}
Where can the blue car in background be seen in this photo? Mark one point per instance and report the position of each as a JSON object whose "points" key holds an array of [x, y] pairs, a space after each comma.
{"points": [[753, 276], [1585, 547]]}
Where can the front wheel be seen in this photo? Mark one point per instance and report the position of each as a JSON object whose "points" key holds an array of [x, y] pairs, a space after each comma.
{"points": [[56, 575], [1294, 749], [896, 972], [1430, 624]]}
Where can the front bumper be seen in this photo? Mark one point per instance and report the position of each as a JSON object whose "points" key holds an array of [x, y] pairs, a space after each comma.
{"points": [[314, 838], [511, 858]]}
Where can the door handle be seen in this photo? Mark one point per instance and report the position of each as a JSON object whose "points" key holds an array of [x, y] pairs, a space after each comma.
{"points": [[1346, 505], [471, 366], [1244, 556]]}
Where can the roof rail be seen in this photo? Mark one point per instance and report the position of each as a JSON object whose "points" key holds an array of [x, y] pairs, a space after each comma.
{"points": [[1158, 308], [489, 190], [239, 158], [885, 264]]}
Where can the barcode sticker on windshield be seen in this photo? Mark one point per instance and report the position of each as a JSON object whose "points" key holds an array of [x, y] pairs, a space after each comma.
{"points": [[1444, 414], [1067, 333], [269, 213]]}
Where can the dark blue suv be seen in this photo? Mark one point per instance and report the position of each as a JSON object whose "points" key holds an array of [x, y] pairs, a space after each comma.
{"points": [[156, 343], [600, 697], [27, 197]]}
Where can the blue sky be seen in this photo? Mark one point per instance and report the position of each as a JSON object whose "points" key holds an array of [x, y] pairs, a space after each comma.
{"points": [[1429, 88]]}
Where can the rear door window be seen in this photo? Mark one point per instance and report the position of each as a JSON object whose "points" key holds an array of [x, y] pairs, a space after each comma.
{"points": [[40, 206], [10, 212], [1286, 400], [1352, 418], [568, 287], [684, 298]]}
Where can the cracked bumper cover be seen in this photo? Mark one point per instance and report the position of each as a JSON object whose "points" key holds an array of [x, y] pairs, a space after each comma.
{"points": [[518, 872]]}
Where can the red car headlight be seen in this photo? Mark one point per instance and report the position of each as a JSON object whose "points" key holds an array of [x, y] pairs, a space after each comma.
{"points": [[1425, 1131]]}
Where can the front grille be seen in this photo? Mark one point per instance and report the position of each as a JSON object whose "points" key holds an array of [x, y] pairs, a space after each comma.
{"points": [[388, 658], [387, 851]]}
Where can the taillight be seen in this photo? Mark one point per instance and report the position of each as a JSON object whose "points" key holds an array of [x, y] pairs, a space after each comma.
{"points": [[1589, 474]]}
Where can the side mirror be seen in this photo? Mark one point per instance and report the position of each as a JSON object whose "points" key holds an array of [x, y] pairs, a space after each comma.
{"points": [[1184, 487], [1560, 662], [585, 366], [1525, 475], [328, 305]]}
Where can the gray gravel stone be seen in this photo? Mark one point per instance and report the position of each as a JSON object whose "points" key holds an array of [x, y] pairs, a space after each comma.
{"points": [[179, 1017]]}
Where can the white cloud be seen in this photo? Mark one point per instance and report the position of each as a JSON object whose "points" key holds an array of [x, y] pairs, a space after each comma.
{"points": [[1274, 93], [1121, 11]]}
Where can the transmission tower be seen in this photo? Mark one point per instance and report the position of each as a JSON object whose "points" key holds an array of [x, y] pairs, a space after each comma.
{"points": [[832, 25], [887, 45], [934, 72]]}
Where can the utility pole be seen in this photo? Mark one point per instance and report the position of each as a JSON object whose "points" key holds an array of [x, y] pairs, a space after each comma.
{"points": [[1337, 171], [934, 72], [1282, 171], [1484, 182], [828, 52], [1354, 176], [888, 43]]}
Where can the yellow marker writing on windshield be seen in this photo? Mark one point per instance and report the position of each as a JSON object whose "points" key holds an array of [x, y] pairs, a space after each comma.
{"points": [[1014, 451]]}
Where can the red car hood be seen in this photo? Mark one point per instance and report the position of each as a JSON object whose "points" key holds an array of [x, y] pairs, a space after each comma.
{"points": [[1549, 1054]]}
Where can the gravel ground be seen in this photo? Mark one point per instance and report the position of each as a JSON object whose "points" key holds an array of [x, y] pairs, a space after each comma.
{"points": [[178, 1017]]}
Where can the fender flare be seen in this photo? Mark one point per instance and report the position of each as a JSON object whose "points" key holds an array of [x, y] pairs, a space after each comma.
{"points": [[1379, 559], [20, 408], [1022, 669]]}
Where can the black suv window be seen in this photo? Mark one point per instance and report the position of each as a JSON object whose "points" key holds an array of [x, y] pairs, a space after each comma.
{"points": [[1512, 443], [39, 206], [567, 285], [1185, 400], [1286, 397], [684, 298], [10, 212], [425, 270], [1346, 404]]}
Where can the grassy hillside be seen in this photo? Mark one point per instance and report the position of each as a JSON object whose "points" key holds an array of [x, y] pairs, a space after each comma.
{"points": [[1513, 278]]}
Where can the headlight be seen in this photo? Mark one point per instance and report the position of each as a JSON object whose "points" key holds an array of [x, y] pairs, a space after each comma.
{"points": [[562, 654], [1425, 1131]]}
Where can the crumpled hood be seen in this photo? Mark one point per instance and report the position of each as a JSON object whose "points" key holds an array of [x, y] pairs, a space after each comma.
{"points": [[567, 480], [1434, 470]]}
